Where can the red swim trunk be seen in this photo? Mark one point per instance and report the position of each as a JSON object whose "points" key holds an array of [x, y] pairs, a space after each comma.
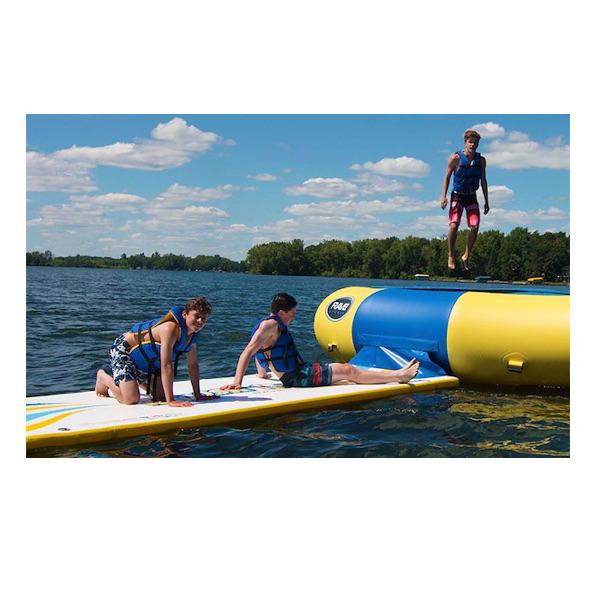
{"points": [[469, 203]]}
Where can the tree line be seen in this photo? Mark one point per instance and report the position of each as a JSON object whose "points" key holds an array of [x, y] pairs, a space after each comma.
{"points": [[510, 257], [514, 256], [165, 262]]}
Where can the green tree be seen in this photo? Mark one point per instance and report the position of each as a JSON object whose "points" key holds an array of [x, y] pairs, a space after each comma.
{"points": [[514, 254]]}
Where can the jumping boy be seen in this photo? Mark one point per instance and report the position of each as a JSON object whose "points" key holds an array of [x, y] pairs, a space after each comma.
{"points": [[148, 353], [273, 347], [468, 168]]}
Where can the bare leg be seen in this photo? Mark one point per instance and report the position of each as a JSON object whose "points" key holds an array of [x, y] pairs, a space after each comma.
{"points": [[126, 393], [470, 243], [346, 372], [452, 233], [103, 381]]}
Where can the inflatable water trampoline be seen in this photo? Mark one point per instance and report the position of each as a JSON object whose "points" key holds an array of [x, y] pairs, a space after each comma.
{"points": [[498, 337]]}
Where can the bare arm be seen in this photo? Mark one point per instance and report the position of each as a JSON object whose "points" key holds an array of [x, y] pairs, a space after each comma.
{"points": [[259, 340], [168, 336], [484, 187], [450, 168], [194, 371]]}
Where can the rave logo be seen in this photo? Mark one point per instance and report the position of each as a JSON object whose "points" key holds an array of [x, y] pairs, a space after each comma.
{"points": [[338, 308]]}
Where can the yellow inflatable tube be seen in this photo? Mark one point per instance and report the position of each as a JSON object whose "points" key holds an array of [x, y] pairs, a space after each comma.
{"points": [[513, 339]]}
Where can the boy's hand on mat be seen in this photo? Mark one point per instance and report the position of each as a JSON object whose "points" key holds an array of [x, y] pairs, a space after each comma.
{"points": [[180, 403], [231, 386]]}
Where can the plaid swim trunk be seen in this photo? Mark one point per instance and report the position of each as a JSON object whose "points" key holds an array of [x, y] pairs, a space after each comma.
{"points": [[458, 202], [308, 375], [123, 368]]}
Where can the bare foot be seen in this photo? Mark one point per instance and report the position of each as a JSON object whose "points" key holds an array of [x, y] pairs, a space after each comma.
{"points": [[101, 386], [409, 371], [465, 261], [451, 263]]}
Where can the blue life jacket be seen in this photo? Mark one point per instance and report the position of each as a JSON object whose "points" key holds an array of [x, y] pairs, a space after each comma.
{"points": [[146, 355], [467, 176], [283, 356]]}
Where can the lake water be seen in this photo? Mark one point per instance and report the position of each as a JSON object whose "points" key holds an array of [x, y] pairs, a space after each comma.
{"points": [[73, 315]]}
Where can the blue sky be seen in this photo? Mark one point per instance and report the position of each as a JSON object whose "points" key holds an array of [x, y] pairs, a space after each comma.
{"points": [[218, 184]]}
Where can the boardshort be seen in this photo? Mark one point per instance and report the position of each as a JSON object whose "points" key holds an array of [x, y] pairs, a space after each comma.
{"points": [[458, 202], [122, 366], [308, 375]]}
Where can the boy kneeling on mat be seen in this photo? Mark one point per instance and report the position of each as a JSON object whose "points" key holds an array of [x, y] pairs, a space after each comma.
{"points": [[273, 347], [147, 356]]}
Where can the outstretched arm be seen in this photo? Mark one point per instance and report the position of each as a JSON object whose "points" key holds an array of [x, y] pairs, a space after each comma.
{"points": [[484, 187], [259, 340]]}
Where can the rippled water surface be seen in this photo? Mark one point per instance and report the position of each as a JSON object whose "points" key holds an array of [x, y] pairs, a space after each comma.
{"points": [[73, 315]]}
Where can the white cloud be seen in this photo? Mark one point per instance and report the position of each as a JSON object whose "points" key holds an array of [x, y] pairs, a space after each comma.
{"points": [[109, 202], [186, 213], [435, 225], [263, 177], [517, 136], [70, 214], [371, 184], [322, 187], [404, 166], [311, 229], [178, 194], [558, 140], [178, 133], [498, 194], [242, 228], [551, 214], [499, 217], [86, 211], [47, 173], [364, 184], [172, 144], [399, 204], [527, 154], [489, 130]]}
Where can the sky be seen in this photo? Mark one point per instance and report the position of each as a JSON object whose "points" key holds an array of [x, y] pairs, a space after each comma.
{"points": [[105, 185]]}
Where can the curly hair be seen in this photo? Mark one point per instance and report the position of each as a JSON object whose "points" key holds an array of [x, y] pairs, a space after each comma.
{"points": [[202, 305]]}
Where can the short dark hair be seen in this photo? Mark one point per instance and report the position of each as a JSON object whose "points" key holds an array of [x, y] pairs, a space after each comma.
{"points": [[282, 301], [471, 133], [202, 305]]}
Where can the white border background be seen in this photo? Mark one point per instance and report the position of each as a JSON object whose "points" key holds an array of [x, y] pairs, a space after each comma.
{"points": [[301, 528]]}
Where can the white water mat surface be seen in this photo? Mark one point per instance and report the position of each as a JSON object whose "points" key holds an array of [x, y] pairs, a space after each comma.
{"points": [[84, 417]]}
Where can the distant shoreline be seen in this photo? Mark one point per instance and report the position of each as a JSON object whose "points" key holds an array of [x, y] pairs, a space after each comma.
{"points": [[514, 257], [430, 279]]}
